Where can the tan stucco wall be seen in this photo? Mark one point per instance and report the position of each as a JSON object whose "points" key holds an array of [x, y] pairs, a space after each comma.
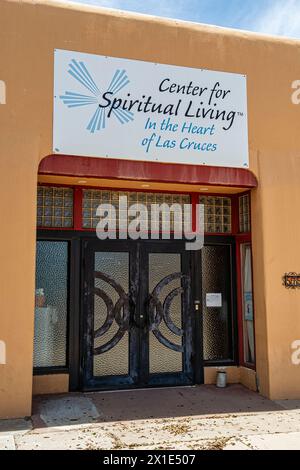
{"points": [[29, 33], [51, 383]]}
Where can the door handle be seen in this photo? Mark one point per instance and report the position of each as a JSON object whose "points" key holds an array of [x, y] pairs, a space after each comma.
{"points": [[132, 308]]}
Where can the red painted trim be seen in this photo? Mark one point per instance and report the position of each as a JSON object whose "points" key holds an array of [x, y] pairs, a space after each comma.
{"points": [[42, 227], [146, 171], [253, 306], [235, 214], [77, 209], [194, 201], [239, 302], [243, 238], [240, 240]]}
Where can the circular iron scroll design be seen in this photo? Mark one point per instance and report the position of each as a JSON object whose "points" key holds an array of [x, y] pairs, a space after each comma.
{"points": [[159, 311], [119, 312]]}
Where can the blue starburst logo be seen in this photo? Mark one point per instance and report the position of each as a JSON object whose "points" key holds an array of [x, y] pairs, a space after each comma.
{"points": [[98, 120]]}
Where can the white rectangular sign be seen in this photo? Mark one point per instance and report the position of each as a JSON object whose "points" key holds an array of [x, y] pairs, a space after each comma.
{"points": [[134, 110], [214, 300]]}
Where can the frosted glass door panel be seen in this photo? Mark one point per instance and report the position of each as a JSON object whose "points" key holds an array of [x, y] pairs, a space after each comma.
{"points": [[163, 357], [216, 278], [51, 306], [111, 348]]}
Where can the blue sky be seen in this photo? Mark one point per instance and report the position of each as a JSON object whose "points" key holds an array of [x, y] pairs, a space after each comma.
{"points": [[277, 17]]}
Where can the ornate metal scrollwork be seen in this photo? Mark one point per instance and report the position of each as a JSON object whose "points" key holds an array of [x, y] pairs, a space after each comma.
{"points": [[119, 312], [159, 311]]}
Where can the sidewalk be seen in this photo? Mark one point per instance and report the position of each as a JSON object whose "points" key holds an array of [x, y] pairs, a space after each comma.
{"points": [[176, 418]]}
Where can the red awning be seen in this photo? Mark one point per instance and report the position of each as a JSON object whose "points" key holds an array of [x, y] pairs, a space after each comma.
{"points": [[88, 167]]}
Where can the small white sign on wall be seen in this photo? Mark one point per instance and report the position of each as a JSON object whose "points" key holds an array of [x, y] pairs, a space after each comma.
{"points": [[214, 300], [2, 92], [2, 352], [135, 110]]}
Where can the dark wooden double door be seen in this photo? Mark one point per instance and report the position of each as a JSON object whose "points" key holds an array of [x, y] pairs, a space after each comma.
{"points": [[138, 312], [142, 317]]}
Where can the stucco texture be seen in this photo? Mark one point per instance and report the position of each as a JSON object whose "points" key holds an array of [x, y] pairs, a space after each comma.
{"points": [[29, 33]]}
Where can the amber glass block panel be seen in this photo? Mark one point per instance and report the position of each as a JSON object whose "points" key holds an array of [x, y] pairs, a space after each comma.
{"points": [[92, 198], [54, 207], [217, 214], [217, 334], [50, 322], [163, 359], [244, 213], [115, 361]]}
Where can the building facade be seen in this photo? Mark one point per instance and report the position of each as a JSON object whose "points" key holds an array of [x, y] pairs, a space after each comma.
{"points": [[80, 313]]}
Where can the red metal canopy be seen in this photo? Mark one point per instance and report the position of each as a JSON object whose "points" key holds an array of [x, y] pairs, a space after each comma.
{"points": [[146, 171]]}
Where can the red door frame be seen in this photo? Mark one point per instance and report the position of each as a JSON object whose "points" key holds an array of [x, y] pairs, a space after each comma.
{"points": [[243, 238]]}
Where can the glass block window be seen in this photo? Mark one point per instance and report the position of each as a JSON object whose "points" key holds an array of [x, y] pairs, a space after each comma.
{"points": [[54, 207], [217, 214], [92, 198], [244, 213]]}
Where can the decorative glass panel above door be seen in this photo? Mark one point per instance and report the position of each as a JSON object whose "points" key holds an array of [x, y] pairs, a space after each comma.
{"points": [[92, 198]]}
